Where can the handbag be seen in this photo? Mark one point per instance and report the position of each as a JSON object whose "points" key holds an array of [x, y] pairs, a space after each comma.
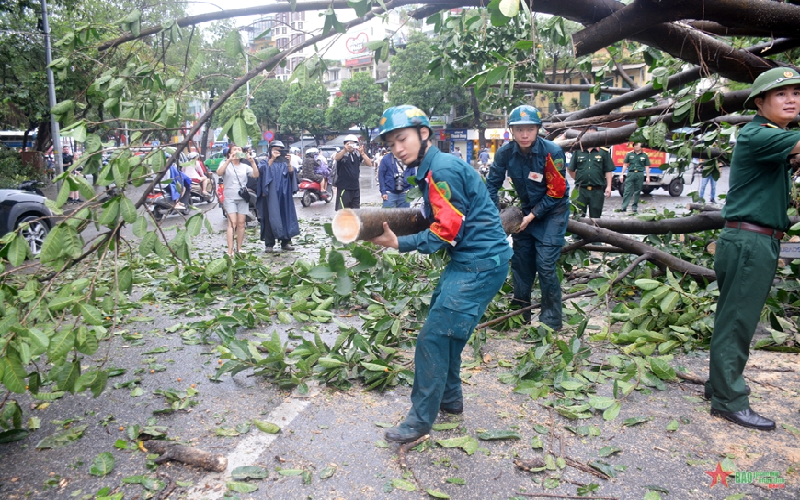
{"points": [[244, 193]]}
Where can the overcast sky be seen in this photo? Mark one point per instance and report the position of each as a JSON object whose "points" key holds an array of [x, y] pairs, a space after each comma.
{"points": [[196, 7]]}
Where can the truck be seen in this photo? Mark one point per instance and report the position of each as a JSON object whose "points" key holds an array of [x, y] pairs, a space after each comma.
{"points": [[660, 178]]}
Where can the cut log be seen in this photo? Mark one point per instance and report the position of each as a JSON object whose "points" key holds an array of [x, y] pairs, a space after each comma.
{"points": [[366, 223], [185, 454]]}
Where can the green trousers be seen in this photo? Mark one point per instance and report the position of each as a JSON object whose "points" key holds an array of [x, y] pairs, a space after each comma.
{"points": [[633, 187], [745, 264], [593, 200]]}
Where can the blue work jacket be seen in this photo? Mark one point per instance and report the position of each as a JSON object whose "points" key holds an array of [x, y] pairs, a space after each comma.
{"points": [[464, 219], [386, 173], [540, 184]]}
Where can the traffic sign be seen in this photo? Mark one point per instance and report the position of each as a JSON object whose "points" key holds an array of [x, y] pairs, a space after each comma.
{"points": [[506, 135], [268, 135]]}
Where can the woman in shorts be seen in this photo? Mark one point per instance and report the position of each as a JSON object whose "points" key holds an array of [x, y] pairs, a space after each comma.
{"points": [[234, 174]]}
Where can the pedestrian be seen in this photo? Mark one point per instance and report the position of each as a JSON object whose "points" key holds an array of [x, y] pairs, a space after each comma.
{"points": [[746, 256], [466, 224], [196, 173], [592, 171], [537, 170], [393, 181], [295, 159], [457, 153], [483, 157], [234, 172], [348, 171], [708, 179], [67, 160], [277, 183], [637, 163]]}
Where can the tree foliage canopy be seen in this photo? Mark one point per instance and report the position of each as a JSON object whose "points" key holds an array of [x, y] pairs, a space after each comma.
{"points": [[361, 104]]}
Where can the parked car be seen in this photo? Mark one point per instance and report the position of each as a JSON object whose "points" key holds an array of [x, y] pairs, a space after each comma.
{"points": [[18, 207]]}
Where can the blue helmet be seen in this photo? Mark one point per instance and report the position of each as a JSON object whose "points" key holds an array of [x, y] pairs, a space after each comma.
{"points": [[525, 115]]}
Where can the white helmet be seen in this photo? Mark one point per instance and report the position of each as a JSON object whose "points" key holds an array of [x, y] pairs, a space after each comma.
{"points": [[312, 151], [192, 155], [295, 149], [351, 138]]}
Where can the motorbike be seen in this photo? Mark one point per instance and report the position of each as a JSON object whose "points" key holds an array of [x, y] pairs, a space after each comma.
{"points": [[161, 205], [312, 192], [197, 195]]}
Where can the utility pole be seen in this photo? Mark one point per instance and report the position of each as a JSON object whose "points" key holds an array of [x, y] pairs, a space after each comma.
{"points": [[51, 89]]}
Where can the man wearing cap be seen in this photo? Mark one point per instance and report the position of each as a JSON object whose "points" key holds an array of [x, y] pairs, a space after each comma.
{"points": [[592, 170], [537, 168], [637, 164], [747, 250], [348, 171]]}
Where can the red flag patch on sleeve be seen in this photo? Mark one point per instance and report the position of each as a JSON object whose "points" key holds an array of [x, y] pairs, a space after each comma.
{"points": [[556, 184], [447, 218]]}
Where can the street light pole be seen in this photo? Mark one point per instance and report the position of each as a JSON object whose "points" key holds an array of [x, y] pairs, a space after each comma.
{"points": [[51, 89]]}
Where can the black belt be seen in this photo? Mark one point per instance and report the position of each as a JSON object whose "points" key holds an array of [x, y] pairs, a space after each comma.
{"points": [[755, 228]]}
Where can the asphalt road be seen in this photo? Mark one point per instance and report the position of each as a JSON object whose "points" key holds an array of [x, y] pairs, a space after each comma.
{"points": [[328, 429]]}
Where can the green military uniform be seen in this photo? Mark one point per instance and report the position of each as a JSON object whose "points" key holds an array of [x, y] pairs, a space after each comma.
{"points": [[745, 261], [590, 169], [637, 164]]}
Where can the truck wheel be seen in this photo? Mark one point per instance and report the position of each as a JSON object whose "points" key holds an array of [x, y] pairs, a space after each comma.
{"points": [[647, 189], [676, 187], [621, 189]]}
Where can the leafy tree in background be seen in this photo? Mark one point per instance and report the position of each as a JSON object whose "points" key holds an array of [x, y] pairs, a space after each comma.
{"points": [[304, 110], [361, 104], [412, 83]]}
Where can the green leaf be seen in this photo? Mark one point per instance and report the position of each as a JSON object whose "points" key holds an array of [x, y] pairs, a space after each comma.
{"points": [[62, 438], [14, 373], [497, 435], [455, 480], [537, 443], [630, 422], [607, 451], [60, 344], [437, 494], [662, 369], [402, 484], [327, 472], [91, 314], [612, 411], [290, 472], [128, 211], [137, 392], [234, 47], [446, 426], [669, 302], [239, 131], [673, 425], [18, 251], [215, 267], [249, 472], [267, 427], [241, 487], [12, 435], [102, 464], [647, 284], [468, 443], [148, 244]]}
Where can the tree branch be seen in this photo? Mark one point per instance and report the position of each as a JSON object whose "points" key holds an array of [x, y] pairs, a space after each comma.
{"points": [[558, 87]]}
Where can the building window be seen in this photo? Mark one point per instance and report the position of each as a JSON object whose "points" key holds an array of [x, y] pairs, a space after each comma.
{"points": [[299, 26], [284, 30]]}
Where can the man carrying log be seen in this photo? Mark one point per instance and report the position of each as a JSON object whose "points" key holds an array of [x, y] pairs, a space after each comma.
{"points": [[467, 224], [747, 251], [592, 170], [536, 169]]}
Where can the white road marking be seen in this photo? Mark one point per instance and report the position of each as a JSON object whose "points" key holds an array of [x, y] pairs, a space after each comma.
{"points": [[212, 485]]}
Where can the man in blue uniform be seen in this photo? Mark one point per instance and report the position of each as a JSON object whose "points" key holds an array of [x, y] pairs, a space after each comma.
{"points": [[466, 223], [536, 168]]}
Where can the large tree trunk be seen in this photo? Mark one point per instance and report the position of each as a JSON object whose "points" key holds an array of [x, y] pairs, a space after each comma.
{"points": [[366, 223], [705, 221]]}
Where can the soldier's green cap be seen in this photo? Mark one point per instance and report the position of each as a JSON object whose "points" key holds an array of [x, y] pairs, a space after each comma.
{"points": [[768, 80]]}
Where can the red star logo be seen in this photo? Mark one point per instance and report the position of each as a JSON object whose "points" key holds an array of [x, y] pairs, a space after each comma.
{"points": [[718, 475]]}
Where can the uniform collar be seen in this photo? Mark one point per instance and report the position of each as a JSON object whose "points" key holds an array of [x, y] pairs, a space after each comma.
{"points": [[763, 120], [536, 148]]}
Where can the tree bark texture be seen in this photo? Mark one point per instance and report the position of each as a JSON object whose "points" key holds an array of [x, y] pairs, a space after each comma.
{"points": [[366, 223], [187, 455], [769, 17]]}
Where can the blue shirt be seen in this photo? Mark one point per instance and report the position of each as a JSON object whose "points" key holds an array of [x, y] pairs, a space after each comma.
{"points": [[387, 171]]}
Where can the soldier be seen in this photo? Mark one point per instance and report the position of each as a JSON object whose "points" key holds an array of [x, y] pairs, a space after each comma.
{"points": [[466, 225], [747, 250], [638, 164], [536, 169], [592, 171]]}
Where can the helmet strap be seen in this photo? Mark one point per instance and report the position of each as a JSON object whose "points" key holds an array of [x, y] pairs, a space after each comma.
{"points": [[423, 148]]}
